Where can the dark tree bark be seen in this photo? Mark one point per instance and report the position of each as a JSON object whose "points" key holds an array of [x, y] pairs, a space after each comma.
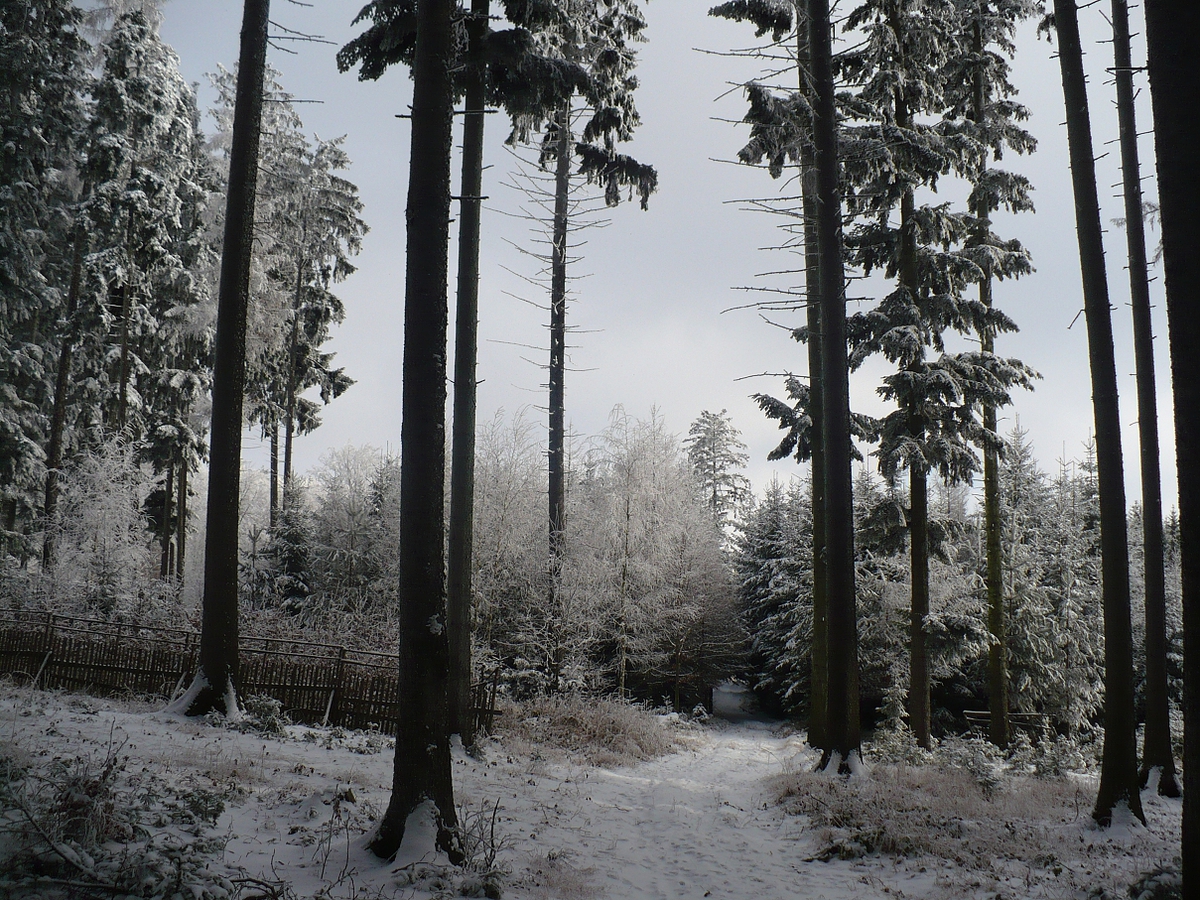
{"points": [[58, 416], [216, 681], [918, 527], [274, 516], [558, 357], [819, 711], [918, 489], [1156, 747], [167, 532], [1172, 35], [181, 519], [422, 784], [843, 732], [999, 724], [289, 403], [466, 322], [818, 704], [1118, 770]]}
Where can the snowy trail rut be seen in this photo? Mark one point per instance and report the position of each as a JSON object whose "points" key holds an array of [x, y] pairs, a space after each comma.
{"points": [[698, 823]]}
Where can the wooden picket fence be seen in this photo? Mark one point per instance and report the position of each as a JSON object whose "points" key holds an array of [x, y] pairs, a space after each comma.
{"points": [[317, 684]]}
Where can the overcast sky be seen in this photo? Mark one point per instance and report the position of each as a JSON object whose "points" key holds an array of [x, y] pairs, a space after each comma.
{"points": [[652, 312]]}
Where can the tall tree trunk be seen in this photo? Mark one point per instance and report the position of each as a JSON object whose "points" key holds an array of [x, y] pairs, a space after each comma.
{"points": [[164, 566], [466, 322], [1118, 769], [1156, 748], [58, 417], [918, 517], [1172, 35], [918, 525], [422, 788], [999, 723], [181, 515], [274, 515], [126, 309], [558, 356], [289, 403], [216, 683], [843, 735], [818, 704]]}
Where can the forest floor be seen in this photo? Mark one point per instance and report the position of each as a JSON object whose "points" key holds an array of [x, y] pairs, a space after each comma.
{"points": [[97, 795]]}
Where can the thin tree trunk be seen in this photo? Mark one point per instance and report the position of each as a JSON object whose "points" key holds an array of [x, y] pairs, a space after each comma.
{"points": [[466, 321], [1000, 726], [181, 519], [918, 518], [422, 786], [274, 516], [558, 355], [999, 723], [126, 309], [918, 685], [818, 705], [216, 683], [164, 566], [843, 735], [289, 423], [1118, 769], [1156, 748], [1172, 35], [58, 418]]}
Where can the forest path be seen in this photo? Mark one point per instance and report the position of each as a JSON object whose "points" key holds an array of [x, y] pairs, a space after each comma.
{"points": [[695, 824]]}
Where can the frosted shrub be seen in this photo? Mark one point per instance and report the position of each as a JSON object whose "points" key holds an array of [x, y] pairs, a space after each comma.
{"points": [[980, 758], [104, 552], [600, 732], [86, 828], [264, 715]]}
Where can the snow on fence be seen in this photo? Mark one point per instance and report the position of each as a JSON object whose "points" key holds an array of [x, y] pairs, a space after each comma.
{"points": [[316, 683]]}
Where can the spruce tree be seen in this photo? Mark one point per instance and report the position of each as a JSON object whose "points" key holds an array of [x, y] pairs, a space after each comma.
{"points": [[717, 455], [979, 96], [899, 70], [42, 123]]}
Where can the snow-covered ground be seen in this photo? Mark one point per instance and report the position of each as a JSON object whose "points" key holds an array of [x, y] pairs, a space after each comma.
{"points": [[704, 821]]}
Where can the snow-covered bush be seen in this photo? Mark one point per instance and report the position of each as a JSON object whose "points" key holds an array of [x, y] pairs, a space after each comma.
{"points": [[83, 828], [597, 731]]}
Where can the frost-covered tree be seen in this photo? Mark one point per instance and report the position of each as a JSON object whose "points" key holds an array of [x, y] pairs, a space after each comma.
{"points": [[595, 38], [104, 547], [718, 457], [644, 568], [42, 119], [134, 352], [774, 563], [509, 621]]}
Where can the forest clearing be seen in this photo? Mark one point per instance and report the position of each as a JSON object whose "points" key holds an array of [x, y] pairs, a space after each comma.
{"points": [[724, 809]]}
